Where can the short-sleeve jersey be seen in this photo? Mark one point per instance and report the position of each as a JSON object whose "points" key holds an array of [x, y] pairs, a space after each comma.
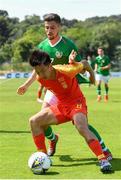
{"points": [[64, 86], [101, 62], [59, 53]]}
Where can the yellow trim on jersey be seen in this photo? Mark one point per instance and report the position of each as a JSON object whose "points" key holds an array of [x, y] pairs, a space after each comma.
{"points": [[70, 69]]}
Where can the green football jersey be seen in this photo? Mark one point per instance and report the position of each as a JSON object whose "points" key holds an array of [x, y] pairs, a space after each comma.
{"points": [[59, 53], [101, 62]]}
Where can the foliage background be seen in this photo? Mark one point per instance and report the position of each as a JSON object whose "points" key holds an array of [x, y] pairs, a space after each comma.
{"points": [[18, 38]]}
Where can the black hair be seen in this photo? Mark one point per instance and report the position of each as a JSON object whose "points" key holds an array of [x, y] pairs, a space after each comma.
{"points": [[52, 17], [101, 48], [38, 57]]}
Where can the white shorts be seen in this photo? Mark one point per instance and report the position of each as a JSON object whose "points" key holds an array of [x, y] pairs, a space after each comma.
{"points": [[87, 74], [100, 77], [50, 98]]}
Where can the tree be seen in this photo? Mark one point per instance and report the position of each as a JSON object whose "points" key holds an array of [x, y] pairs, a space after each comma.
{"points": [[116, 62], [5, 53], [3, 13], [21, 48], [18, 38], [106, 35]]}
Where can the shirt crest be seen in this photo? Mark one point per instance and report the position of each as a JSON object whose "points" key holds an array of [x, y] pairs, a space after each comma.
{"points": [[59, 54]]}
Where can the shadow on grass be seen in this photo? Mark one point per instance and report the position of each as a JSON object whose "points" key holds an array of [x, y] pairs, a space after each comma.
{"points": [[75, 161], [12, 132], [47, 173], [116, 162], [116, 101], [52, 173]]}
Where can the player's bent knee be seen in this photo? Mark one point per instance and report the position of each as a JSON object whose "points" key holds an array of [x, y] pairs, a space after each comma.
{"points": [[32, 121]]}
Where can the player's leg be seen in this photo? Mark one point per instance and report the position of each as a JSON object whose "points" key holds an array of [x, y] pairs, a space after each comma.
{"points": [[81, 124], [106, 79], [53, 139], [105, 149], [106, 92], [98, 84], [38, 122], [50, 99]]}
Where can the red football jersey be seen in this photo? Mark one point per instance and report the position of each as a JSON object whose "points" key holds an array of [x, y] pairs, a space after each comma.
{"points": [[64, 86]]}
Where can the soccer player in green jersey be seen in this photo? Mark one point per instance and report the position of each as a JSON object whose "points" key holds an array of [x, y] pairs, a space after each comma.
{"points": [[102, 67], [59, 48]]}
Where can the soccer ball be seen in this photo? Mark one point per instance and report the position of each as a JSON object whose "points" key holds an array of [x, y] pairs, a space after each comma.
{"points": [[39, 162]]}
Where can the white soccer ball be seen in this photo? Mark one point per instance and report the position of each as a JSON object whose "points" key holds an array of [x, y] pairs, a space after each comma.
{"points": [[39, 162]]}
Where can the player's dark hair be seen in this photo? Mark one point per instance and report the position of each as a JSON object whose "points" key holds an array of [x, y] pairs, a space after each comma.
{"points": [[38, 57], [101, 48], [52, 17]]}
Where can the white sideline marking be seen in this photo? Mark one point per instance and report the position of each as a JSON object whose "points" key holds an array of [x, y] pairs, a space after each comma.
{"points": [[5, 81]]}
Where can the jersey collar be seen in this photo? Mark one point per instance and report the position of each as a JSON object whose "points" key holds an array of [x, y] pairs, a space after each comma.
{"points": [[56, 42]]}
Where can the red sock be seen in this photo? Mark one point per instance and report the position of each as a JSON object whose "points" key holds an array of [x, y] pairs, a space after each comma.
{"points": [[39, 94], [40, 142], [96, 148]]}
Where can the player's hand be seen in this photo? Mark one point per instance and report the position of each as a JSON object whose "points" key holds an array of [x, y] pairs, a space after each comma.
{"points": [[21, 90], [72, 57]]}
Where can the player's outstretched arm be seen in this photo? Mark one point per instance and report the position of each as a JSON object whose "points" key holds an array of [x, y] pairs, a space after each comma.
{"points": [[23, 88], [86, 66], [74, 67]]}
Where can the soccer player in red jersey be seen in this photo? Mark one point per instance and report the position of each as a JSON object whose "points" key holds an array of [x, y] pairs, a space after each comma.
{"points": [[71, 106]]}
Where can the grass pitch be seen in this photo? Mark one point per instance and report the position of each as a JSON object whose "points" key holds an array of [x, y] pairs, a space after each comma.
{"points": [[73, 159]]}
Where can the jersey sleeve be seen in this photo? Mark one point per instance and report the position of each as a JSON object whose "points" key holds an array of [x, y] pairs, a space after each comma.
{"points": [[70, 70], [39, 46]]}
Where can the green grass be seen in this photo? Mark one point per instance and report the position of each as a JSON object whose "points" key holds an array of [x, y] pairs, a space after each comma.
{"points": [[73, 159]]}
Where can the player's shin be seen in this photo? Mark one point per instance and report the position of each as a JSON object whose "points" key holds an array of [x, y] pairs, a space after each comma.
{"points": [[49, 133], [53, 141], [96, 148], [39, 141], [105, 166], [96, 133], [106, 90], [99, 90]]}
